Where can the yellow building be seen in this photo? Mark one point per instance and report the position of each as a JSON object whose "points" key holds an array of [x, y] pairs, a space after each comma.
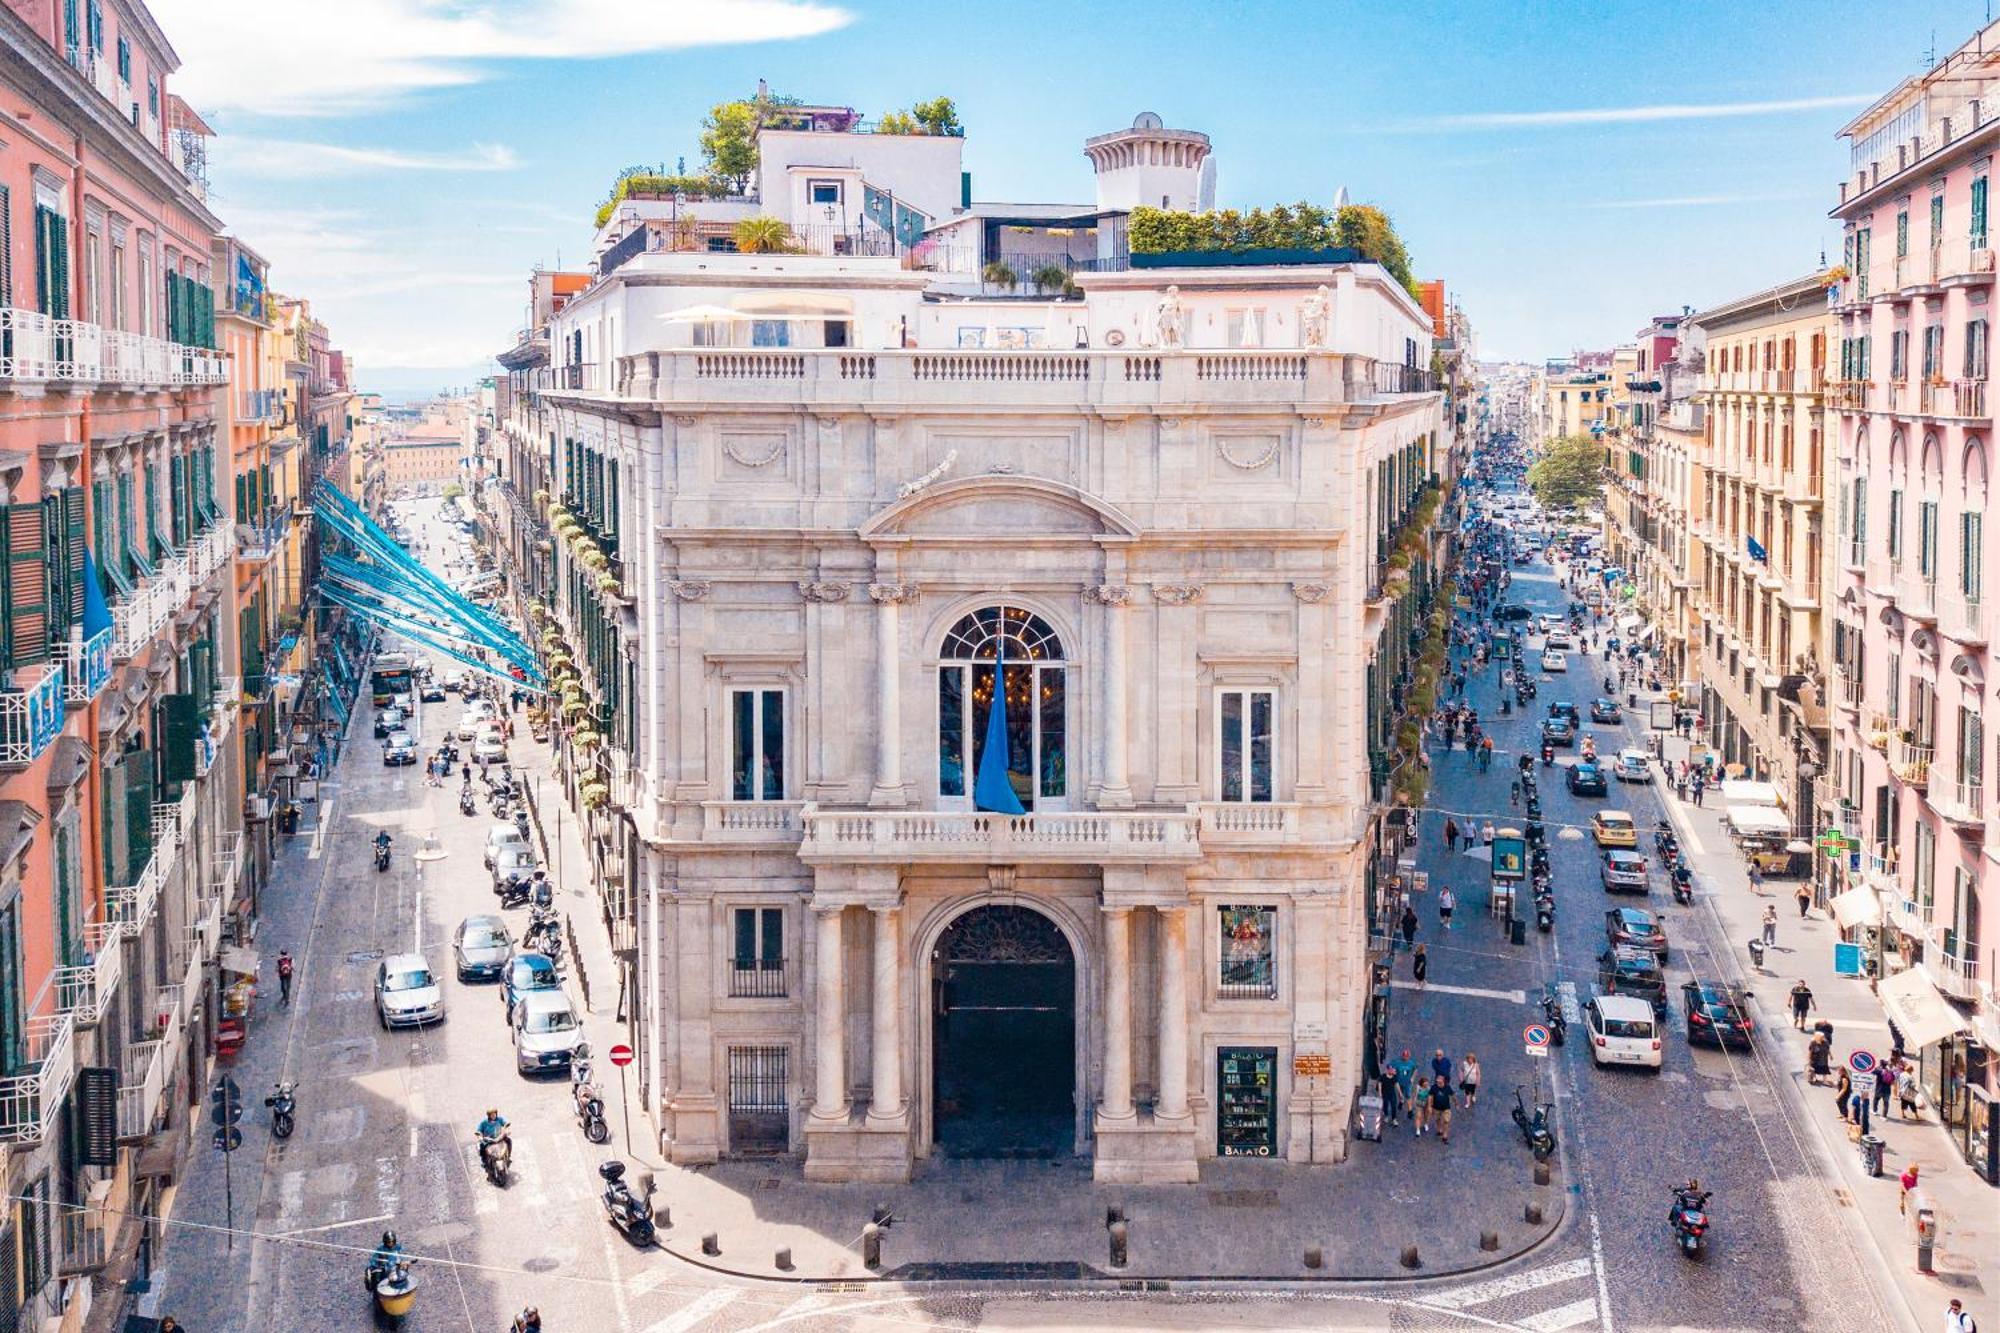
{"points": [[425, 457], [1574, 402]]}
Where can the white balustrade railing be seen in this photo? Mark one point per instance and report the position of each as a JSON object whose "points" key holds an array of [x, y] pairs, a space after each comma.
{"points": [[85, 989], [1055, 836], [1249, 821], [37, 348], [31, 715], [86, 665], [751, 821], [31, 1100]]}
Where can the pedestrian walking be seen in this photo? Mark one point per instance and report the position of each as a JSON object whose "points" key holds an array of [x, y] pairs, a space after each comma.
{"points": [[1819, 1061], [1908, 1180], [1770, 923], [1420, 1109], [1486, 833], [1404, 1070], [1857, 1109], [1441, 1107], [1958, 1319], [1804, 895], [1885, 1086], [1843, 1090], [1447, 900], [1392, 1099], [1450, 835], [1409, 924], [284, 977], [1907, 1101], [1420, 966], [1695, 785], [1802, 1004], [1440, 1066], [1757, 886], [1468, 1079]]}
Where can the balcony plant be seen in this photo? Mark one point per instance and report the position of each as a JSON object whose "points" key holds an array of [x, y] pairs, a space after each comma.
{"points": [[764, 235], [999, 273], [586, 739], [1050, 277], [595, 795], [609, 584]]}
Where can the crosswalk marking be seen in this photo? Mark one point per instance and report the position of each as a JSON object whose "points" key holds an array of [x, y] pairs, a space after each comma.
{"points": [[1512, 1285], [700, 1308], [1562, 1317], [1517, 997]]}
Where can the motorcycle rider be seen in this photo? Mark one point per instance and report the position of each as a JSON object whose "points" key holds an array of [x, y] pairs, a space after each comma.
{"points": [[382, 841], [491, 1130], [540, 892], [528, 1321], [1690, 1197], [384, 1260]]}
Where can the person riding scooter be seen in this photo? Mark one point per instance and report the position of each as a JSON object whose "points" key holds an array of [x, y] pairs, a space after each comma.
{"points": [[383, 1261]]}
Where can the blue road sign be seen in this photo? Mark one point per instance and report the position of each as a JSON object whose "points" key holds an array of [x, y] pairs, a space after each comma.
{"points": [[1535, 1035], [1861, 1062]]}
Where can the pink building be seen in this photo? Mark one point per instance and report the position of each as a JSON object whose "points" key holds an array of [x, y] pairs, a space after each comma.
{"points": [[1916, 777], [120, 804]]}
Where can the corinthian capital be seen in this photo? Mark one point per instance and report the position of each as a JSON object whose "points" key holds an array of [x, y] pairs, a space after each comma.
{"points": [[892, 593]]}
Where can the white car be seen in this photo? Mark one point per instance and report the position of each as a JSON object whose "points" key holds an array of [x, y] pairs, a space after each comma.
{"points": [[546, 1032], [1554, 659], [1623, 1031], [489, 748], [1560, 641], [407, 993], [501, 837], [1633, 766], [477, 712]]}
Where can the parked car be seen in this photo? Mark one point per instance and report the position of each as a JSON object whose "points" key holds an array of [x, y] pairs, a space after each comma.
{"points": [[1717, 1013], [1614, 828], [525, 974], [482, 948], [500, 837], [399, 748], [546, 1032], [387, 720], [1637, 927], [1605, 710], [512, 861], [1559, 731], [1623, 1031], [489, 747], [1587, 779], [431, 692], [453, 681], [476, 712], [1633, 766], [1623, 970], [401, 701], [1552, 660], [407, 994], [1511, 611], [1623, 872]]}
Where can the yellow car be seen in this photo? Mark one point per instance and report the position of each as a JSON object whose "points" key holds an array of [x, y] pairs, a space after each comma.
{"points": [[1614, 828]]}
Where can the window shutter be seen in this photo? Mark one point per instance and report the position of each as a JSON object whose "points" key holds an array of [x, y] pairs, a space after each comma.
{"points": [[27, 594], [1979, 210], [72, 538], [152, 514], [177, 498], [6, 247], [181, 735]]}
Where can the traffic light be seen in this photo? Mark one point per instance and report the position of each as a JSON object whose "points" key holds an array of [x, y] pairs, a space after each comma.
{"points": [[225, 1103]]}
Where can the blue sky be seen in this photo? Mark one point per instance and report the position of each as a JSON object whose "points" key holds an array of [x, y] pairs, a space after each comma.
{"points": [[1568, 169]]}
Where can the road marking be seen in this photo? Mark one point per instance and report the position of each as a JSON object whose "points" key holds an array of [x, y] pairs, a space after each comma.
{"points": [[1564, 1316], [1517, 997], [320, 826], [1603, 1285], [1566, 996], [700, 1308], [645, 1281], [332, 1226], [1513, 1285]]}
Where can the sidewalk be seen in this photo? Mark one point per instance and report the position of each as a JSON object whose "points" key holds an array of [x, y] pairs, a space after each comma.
{"points": [[1968, 1254]]}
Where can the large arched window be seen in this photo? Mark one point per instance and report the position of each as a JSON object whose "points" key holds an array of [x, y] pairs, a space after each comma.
{"points": [[1037, 703]]}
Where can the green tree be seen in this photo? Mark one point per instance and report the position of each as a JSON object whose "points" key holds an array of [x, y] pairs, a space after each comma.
{"points": [[1367, 228], [938, 116], [452, 490], [897, 122], [1569, 474], [763, 236], [729, 140]]}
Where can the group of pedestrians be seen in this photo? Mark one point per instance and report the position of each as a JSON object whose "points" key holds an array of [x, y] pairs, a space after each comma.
{"points": [[1430, 1097]]}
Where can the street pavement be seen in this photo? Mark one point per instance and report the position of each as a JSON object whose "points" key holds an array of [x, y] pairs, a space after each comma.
{"points": [[385, 1135]]}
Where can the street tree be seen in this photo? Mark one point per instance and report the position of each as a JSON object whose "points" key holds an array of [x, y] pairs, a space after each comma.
{"points": [[1570, 473]]}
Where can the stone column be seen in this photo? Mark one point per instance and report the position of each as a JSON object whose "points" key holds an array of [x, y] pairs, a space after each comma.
{"points": [[1117, 1100], [888, 694], [1173, 1087], [830, 1095], [887, 1045], [1115, 791]]}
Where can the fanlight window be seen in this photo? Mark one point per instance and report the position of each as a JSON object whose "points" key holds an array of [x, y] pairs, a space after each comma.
{"points": [[1037, 704]]}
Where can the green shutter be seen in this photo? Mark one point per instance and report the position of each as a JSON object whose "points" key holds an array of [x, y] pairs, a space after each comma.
{"points": [[153, 547], [6, 248], [138, 770], [27, 591], [181, 737], [1979, 210]]}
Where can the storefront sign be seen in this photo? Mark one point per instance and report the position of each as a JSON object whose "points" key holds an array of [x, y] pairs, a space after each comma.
{"points": [[1247, 1121]]}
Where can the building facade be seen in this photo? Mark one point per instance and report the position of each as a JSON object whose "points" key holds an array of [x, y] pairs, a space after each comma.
{"points": [[1913, 434]]}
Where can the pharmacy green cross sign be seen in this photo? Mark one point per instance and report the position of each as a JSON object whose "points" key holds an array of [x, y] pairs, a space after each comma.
{"points": [[1833, 842]]}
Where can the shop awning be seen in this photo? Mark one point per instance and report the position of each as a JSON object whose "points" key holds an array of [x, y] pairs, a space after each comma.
{"points": [[1857, 907], [1921, 1014], [1758, 819], [1626, 624], [1741, 792]]}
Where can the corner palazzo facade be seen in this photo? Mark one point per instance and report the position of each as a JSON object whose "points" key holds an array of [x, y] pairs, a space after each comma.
{"points": [[1165, 546]]}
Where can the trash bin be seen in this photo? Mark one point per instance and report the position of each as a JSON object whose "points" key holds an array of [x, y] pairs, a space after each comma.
{"points": [[1517, 931], [1871, 1154], [1368, 1117]]}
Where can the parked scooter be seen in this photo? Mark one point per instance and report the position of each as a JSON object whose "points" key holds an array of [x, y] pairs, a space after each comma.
{"points": [[1548, 754], [1536, 1127], [1552, 1014], [284, 1105], [1683, 883], [1545, 912], [631, 1213], [514, 893], [589, 1103]]}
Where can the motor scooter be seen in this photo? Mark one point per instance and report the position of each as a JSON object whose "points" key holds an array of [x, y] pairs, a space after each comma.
{"points": [[1548, 754], [631, 1213], [395, 1292], [1552, 1014], [589, 1103], [496, 1154], [284, 1105], [1689, 1219], [1535, 1126]]}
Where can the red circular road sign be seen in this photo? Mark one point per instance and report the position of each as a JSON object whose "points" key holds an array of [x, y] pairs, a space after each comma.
{"points": [[621, 1055]]}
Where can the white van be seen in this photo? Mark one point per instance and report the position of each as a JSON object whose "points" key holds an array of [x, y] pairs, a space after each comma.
{"points": [[1623, 1031]]}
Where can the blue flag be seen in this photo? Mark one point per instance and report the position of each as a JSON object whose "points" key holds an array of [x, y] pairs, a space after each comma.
{"points": [[991, 790], [1756, 548], [96, 615]]}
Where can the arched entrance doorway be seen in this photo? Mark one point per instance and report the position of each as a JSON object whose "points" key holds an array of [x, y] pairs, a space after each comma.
{"points": [[1003, 1053]]}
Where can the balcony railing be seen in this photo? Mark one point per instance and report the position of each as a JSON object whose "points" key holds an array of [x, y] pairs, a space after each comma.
{"points": [[260, 405], [1968, 399], [1847, 690], [85, 990], [1856, 550], [31, 1101], [1911, 762], [1953, 971], [86, 665], [1916, 595], [139, 616], [80, 1233], [757, 979], [149, 1065], [1960, 801], [1847, 395], [1249, 821], [37, 349], [1959, 616], [31, 715], [967, 835]]}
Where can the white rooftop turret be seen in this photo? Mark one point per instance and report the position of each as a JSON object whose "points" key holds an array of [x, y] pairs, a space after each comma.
{"points": [[1151, 166]]}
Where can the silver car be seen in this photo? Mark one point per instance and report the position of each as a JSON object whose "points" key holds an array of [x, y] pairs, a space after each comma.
{"points": [[482, 948], [546, 1031], [407, 993], [511, 861]]}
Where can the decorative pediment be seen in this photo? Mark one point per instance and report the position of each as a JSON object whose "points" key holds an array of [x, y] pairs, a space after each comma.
{"points": [[1000, 507]]}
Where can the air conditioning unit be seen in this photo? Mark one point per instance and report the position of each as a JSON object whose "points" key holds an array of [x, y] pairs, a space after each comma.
{"points": [[256, 808]]}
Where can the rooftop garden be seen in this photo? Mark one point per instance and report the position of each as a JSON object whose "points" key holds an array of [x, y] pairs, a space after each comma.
{"points": [[1363, 228]]}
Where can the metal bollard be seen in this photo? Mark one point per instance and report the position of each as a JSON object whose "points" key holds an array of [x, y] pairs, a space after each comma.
{"points": [[711, 1244], [1411, 1259], [1120, 1243], [1315, 1257], [1115, 1213], [784, 1261], [871, 1246], [1543, 1173], [1489, 1240], [1532, 1214]]}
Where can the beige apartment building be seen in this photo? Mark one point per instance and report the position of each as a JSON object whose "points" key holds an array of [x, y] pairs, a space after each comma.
{"points": [[428, 455], [1756, 502]]}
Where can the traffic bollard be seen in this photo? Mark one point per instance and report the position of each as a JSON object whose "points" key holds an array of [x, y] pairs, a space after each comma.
{"points": [[871, 1246], [784, 1261], [1120, 1243], [881, 1215], [1489, 1240], [1411, 1259], [1532, 1214], [1315, 1257], [711, 1244]]}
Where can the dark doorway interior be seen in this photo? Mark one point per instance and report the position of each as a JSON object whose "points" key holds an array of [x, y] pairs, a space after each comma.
{"points": [[1003, 985]]}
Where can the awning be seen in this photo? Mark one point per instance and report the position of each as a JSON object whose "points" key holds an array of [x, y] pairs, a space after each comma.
{"points": [[1921, 1014], [704, 314], [1751, 793], [795, 303], [1758, 819], [1626, 624], [1645, 634], [1857, 907]]}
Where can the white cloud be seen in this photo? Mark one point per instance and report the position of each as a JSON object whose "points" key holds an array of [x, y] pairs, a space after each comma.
{"points": [[1628, 115], [293, 159], [316, 57]]}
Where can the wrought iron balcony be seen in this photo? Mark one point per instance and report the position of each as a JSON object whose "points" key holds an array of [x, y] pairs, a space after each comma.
{"points": [[86, 665], [85, 990], [35, 348], [757, 979], [31, 715], [32, 1100]]}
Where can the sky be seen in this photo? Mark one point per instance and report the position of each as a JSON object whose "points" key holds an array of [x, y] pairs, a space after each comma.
{"points": [[1569, 170]]}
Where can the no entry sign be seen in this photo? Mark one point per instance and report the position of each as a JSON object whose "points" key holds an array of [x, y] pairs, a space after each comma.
{"points": [[621, 1055]]}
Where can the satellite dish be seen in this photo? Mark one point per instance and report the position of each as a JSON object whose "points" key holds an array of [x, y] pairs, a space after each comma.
{"points": [[1148, 120]]}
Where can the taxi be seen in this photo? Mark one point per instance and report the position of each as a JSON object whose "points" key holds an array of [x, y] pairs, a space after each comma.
{"points": [[1614, 828]]}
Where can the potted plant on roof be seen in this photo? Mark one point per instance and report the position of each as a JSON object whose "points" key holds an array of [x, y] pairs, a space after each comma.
{"points": [[999, 273]]}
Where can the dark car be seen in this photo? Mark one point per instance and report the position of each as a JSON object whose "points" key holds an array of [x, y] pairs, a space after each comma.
{"points": [[1624, 970], [482, 948], [1559, 731], [1638, 928], [527, 972], [1564, 708], [1587, 779], [1511, 611], [1717, 1013], [1605, 710], [388, 720]]}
